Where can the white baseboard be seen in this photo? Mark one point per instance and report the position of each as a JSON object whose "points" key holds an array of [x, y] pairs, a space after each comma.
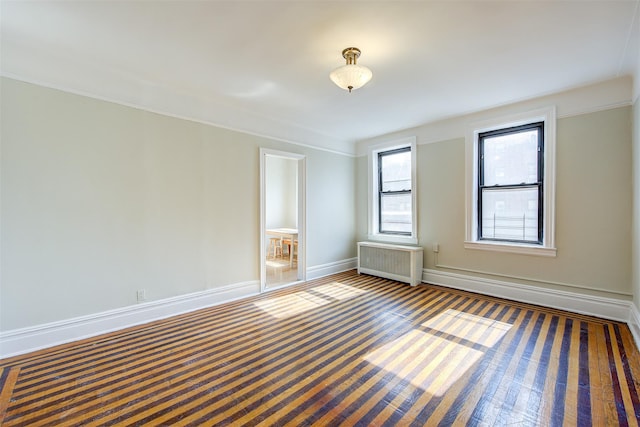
{"points": [[322, 270], [608, 308], [634, 323], [20, 341]]}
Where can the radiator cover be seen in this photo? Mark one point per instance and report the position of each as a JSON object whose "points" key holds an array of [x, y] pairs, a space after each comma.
{"points": [[397, 262]]}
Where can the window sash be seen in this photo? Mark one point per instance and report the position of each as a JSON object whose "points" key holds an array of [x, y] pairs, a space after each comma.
{"points": [[390, 193], [538, 185]]}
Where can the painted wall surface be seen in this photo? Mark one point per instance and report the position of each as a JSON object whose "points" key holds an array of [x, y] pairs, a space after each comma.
{"points": [[332, 205], [100, 200], [281, 209], [635, 251], [593, 209]]}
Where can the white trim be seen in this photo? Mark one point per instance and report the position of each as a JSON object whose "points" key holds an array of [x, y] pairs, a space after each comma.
{"points": [[317, 141], [391, 246], [301, 160], [25, 340], [573, 101], [323, 270], [453, 128], [607, 308], [512, 277], [634, 323], [595, 109], [393, 239], [20, 341], [372, 186], [513, 248], [548, 115]]}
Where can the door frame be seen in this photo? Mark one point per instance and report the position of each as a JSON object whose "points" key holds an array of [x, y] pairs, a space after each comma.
{"points": [[302, 214]]}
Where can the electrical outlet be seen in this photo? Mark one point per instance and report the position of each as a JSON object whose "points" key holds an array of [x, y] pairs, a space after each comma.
{"points": [[141, 295]]}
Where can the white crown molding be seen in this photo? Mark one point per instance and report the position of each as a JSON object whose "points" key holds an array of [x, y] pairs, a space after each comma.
{"points": [[600, 96], [607, 308], [24, 340], [183, 108]]}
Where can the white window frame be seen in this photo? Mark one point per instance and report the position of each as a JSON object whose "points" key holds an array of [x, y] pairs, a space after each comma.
{"points": [[373, 231], [548, 116]]}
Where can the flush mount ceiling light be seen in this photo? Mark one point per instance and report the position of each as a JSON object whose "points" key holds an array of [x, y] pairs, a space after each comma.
{"points": [[351, 76]]}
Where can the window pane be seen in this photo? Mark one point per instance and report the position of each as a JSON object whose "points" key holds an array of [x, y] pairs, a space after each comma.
{"points": [[510, 214], [395, 213], [396, 171], [511, 159]]}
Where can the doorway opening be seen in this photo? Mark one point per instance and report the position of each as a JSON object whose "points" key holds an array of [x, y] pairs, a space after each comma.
{"points": [[282, 218]]}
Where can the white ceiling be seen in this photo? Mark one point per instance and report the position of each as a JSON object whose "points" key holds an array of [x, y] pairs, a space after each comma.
{"points": [[262, 66]]}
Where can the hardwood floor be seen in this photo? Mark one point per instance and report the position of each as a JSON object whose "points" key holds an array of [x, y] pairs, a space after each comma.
{"points": [[341, 350]]}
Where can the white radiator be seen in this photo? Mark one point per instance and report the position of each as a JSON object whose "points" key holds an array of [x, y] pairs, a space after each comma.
{"points": [[397, 262]]}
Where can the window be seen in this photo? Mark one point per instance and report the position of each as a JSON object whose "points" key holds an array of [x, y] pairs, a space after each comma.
{"points": [[392, 194], [394, 191], [511, 184]]}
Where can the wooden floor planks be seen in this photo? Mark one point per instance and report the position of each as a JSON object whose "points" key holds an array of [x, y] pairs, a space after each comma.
{"points": [[341, 350]]}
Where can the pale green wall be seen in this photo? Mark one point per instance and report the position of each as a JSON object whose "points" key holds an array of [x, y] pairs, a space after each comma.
{"points": [[362, 195], [593, 210], [99, 200], [332, 205]]}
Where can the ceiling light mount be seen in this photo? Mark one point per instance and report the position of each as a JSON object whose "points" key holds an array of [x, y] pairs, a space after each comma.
{"points": [[351, 54], [351, 76]]}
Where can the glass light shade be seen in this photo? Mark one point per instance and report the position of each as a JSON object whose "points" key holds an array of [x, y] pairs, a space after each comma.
{"points": [[351, 76]]}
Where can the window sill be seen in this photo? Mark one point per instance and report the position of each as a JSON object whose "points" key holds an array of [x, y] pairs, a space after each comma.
{"points": [[400, 240], [513, 248]]}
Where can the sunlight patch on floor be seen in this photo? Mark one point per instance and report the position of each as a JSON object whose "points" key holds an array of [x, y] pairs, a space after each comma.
{"points": [[299, 302], [486, 332], [429, 358], [290, 305], [339, 291]]}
